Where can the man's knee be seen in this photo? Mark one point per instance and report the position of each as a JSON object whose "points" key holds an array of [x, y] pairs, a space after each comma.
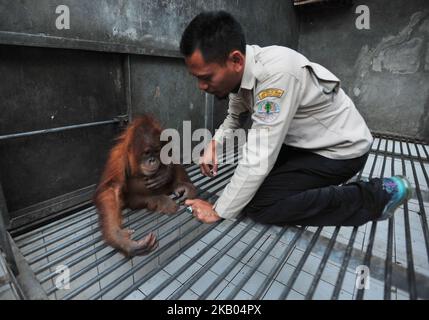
{"points": [[254, 213]]}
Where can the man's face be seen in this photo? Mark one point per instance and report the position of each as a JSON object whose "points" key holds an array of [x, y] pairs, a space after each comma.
{"points": [[215, 78]]}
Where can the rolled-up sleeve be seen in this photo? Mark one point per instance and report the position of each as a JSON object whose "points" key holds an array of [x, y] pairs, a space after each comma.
{"points": [[277, 100]]}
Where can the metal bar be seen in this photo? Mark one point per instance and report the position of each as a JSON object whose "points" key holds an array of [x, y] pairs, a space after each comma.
{"points": [[194, 170], [83, 257], [422, 164], [422, 212], [343, 268], [61, 221], [134, 221], [410, 260], [80, 248], [377, 152], [58, 129], [149, 275], [127, 83], [81, 237], [301, 263], [347, 254], [95, 250], [84, 246], [69, 233], [139, 234], [230, 267], [119, 264], [53, 209], [43, 229], [210, 181], [105, 257], [22, 237], [66, 225], [304, 2], [261, 259], [149, 258], [66, 234], [48, 41], [179, 271], [322, 264], [387, 286], [368, 254], [279, 264], [26, 278], [406, 156], [389, 251], [426, 152], [349, 249], [194, 278], [383, 166], [9, 282], [399, 137], [359, 176], [4, 236], [137, 267]]}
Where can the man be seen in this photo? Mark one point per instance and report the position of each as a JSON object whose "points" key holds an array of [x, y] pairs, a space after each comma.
{"points": [[317, 139]]}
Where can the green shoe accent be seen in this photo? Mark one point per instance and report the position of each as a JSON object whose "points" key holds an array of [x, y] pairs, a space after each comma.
{"points": [[399, 187]]}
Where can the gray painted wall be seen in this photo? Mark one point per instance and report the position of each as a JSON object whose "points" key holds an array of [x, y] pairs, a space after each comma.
{"points": [[162, 86], [53, 85], [46, 88], [385, 69], [137, 25]]}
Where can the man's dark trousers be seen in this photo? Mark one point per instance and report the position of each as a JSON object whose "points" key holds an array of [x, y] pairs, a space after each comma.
{"points": [[303, 188]]}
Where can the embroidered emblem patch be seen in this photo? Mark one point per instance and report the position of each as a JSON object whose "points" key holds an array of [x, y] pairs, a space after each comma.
{"points": [[267, 111], [271, 92]]}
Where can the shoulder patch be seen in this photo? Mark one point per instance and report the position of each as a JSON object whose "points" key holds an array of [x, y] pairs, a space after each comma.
{"points": [[267, 111], [271, 92]]}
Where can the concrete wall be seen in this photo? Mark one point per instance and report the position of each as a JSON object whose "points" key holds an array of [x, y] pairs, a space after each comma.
{"points": [[134, 25], [385, 69], [44, 88], [54, 78]]}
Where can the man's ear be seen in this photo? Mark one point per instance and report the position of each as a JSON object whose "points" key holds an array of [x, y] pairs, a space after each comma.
{"points": [[237, 58]]}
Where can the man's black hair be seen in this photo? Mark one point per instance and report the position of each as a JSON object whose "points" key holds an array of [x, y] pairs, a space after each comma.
{"points": [[216, 34]]}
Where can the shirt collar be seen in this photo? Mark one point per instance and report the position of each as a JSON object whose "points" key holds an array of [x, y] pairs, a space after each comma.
{"points": [[248, 80]]}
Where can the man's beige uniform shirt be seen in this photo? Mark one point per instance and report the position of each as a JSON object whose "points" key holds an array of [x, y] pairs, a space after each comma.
{"points": [[298, 103]]}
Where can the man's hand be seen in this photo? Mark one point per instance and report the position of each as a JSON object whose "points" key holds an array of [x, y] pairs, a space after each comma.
{"points": [[203, 211], [208, 162]]}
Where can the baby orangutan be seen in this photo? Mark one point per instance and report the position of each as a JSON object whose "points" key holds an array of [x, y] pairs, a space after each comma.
{"points": [[135, 178]]}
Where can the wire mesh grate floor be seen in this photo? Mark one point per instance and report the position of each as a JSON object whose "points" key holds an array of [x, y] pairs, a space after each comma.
{"points": [[243, 260]]}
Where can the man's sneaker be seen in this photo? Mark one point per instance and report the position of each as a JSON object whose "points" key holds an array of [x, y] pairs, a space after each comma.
{"points": [[399, 189]]}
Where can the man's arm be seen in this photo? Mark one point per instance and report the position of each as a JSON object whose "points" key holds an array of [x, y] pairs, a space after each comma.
{"points": [[237, 105], [273, 113], [209, 162]]}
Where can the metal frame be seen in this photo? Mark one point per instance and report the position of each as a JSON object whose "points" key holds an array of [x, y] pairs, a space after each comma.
{"points": [[63, 204], [121, 119], [74, 246], [46, 41], [4, 236]]}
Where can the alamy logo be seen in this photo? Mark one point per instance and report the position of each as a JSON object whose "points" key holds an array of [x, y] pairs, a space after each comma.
{"points": [[62, 281], [362, 21], [253, 151], [63, 20], [363, 277]]}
